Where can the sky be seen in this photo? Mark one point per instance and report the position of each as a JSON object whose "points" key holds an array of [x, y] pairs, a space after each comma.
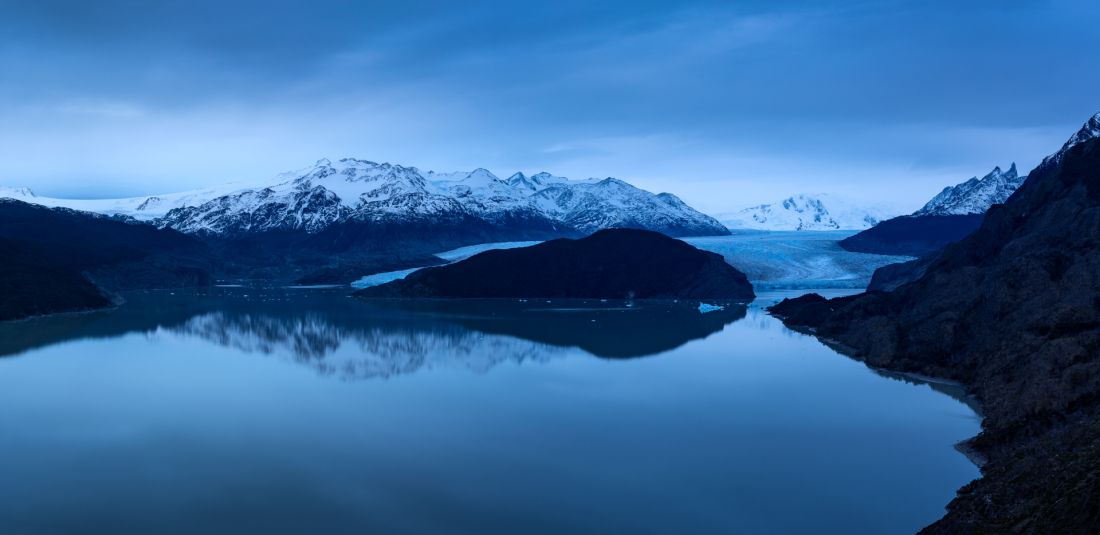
{"points": [[725, 104]]}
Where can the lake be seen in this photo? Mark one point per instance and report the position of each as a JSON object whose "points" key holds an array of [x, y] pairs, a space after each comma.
{"points": [[275, 410]]}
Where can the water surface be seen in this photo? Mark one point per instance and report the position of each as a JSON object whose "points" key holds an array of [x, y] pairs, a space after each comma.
{"points": [[305, 411]]}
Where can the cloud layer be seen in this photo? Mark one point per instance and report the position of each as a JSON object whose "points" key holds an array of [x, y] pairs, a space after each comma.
{"points": [[724, 103]]}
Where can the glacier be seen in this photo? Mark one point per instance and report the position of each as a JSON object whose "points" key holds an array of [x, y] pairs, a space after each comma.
{"points": [[796, 259]]}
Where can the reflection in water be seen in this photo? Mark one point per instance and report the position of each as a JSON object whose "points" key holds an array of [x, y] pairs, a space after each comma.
{"points": [[354, 339], [167, 416]]}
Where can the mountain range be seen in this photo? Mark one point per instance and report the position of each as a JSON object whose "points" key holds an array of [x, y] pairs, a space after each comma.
{"points": [[805, 212], [332, 222], [360, 192]]}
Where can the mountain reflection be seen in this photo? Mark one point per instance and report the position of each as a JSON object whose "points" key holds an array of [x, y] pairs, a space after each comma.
{"points": [[354, 339]]}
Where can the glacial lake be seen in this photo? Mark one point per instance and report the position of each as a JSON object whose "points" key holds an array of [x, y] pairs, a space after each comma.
{"points": [[274, 410]]}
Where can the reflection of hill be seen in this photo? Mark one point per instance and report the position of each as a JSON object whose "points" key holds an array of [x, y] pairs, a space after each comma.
{"points": [[349, 338], [608, 330], [376, 348]]}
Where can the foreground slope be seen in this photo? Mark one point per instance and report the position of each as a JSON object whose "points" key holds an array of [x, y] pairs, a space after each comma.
{"points": [[610, 264], [1013, 312], [60, 260]]}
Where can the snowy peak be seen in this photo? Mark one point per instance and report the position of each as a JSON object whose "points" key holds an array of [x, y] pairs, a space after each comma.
{"points": [[16, 193], [534, 182], [519, 180], [804, 212], [976, 195], [1090, 130]]}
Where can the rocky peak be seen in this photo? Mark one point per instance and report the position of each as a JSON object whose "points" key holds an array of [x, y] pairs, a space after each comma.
{"points": [[976, 195], [16, 192], [1090, 130]]}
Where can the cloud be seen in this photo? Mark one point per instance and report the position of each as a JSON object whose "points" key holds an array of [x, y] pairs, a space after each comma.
{"points": [[717, 101]]}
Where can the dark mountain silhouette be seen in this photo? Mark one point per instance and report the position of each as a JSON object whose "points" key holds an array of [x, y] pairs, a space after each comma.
{"points": [[59, 260]]}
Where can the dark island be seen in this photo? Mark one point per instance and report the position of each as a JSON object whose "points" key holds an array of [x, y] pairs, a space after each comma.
{"points": [[609, 264], [1013, 313]]}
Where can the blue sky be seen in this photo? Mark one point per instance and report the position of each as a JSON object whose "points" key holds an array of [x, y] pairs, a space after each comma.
{"points": [[724, 103]]}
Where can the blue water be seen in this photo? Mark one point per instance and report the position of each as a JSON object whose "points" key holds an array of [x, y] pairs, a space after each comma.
{"points": [[305, 411]]}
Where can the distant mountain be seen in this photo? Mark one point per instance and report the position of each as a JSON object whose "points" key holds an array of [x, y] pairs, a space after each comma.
{"points": [[976, 195], [382, 195], [804, 212], [609, 264], [949, 217]]}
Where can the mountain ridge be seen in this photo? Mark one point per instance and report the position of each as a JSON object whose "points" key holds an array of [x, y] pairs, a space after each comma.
{"points": [[976, 195], [316, 197]]}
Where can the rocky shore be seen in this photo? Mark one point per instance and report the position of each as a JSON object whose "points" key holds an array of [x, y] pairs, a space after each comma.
{"points": [[1013, 313]]}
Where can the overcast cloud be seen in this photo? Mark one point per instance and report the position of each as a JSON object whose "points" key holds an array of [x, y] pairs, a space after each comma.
{"points": [[723, 103]]}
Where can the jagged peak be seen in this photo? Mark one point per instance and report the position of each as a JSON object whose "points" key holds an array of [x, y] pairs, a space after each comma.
{"points": [[1090, 130], [364, 163], [610, 181], [481, 174], [975, 195], [20, 192]]}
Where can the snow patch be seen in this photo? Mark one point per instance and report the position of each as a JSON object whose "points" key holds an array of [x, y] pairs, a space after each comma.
{"points": [[806, 212]]}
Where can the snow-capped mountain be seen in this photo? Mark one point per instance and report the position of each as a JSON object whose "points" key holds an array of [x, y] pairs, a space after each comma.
{"points": [[976, 195], [805, 212], [1090, 130], [359, 191]]}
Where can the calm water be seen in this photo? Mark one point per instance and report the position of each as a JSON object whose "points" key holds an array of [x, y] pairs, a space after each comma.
{"points": [[304, 411]]}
